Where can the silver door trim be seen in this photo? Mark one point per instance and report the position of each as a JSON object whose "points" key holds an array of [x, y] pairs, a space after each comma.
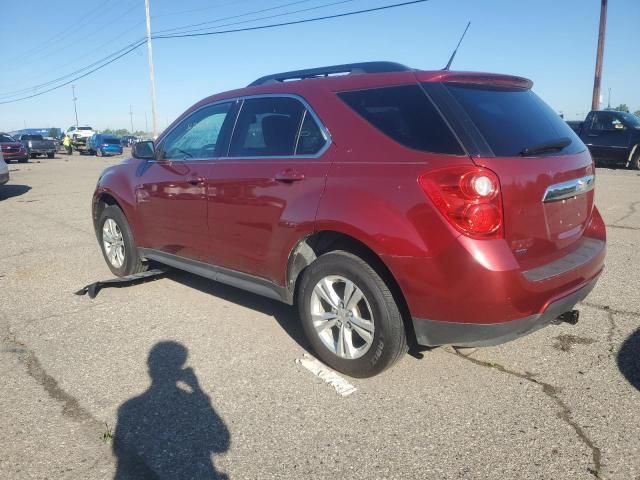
{"points": [[569, 189]]}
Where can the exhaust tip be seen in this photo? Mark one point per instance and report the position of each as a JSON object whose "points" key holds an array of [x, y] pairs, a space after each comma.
{"points": [[571, 317]]}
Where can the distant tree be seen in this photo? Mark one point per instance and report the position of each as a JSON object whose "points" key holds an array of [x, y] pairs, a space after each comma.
{"points": [[637, 113], [53, 132], [622, 108], [140, 133], [117, 132]]}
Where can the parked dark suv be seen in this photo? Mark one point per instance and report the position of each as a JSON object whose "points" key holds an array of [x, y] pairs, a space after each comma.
{"points": [[393, 206]]}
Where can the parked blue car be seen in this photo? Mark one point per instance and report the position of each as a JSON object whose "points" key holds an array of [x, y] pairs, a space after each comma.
{"points": [[101, 144]]}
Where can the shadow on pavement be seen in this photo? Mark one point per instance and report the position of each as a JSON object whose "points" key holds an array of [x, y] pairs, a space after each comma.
{"points": [[10, 190], [286, 315], [629, 359], [171, 430]]}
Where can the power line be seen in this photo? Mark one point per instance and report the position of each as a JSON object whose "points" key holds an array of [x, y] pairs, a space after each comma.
{"points": [[219, 32], [210, 7], [50, 82], [232, 17], [63, 33], [76, 78], [47, 53], [295, 22], [271, 16]]}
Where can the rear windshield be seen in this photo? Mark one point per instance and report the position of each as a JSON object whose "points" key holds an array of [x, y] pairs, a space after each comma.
{"points": [[32, 137], [85, 128], [406, 115], [516, 120], [111, 141]]}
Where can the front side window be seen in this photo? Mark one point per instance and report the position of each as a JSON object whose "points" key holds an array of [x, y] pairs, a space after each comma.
{"points": [[196, 137], [267, 127], [406, 115]]}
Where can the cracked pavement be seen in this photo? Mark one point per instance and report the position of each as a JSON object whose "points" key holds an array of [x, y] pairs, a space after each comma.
{"points": [[561, 403]]}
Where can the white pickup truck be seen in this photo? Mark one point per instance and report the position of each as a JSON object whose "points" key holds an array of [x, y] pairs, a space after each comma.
{"points": [[79, 134]]}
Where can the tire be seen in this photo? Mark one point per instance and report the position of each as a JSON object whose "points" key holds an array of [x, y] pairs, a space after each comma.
{"points": [[126, 261], [361, 356], [635, 162], [23, 160], [99, 153], [32, 155], [51, 155]]}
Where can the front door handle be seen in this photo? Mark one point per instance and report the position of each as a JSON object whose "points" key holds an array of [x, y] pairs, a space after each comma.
{"points": [[288, 176], [196, 181]]}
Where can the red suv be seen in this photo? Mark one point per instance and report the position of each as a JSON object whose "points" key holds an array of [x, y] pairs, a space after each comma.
{"points": [[393, 206]]}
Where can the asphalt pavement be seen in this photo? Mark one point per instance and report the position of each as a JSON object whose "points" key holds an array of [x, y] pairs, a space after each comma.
{"points": [[205, 381]]}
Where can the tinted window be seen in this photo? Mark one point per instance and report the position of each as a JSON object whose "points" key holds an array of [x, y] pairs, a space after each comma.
{"points": [[197, 135], [31, 137], [310, 139], [513, 120], [406, 115], [85, 128], [267, 127], [111, 141], [6, 139]]}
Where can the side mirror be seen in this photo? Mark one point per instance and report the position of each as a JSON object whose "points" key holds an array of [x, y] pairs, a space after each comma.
{"points": [[143, 150]]}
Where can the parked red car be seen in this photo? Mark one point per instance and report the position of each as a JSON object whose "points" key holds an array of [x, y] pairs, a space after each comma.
{"points": [[12, 149], [393, 206]]}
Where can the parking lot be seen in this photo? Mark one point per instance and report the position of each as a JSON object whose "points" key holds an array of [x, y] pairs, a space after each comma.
{"points": [[562, 403]]}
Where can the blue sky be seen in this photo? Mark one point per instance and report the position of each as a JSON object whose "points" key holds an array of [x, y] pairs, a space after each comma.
{"points": [[553, 42]]}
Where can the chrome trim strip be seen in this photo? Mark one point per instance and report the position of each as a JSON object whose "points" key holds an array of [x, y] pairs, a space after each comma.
{"points": [[569, 189], [325, 132]]}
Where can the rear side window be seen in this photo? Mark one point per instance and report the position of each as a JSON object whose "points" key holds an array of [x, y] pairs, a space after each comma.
{"points": [[267, 127], [406, 115], [512, 120]]}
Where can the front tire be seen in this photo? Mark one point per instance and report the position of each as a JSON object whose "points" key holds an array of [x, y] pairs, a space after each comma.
{"points": [[350, 316], [51, 155], [99, 153], [117, 244], [635, 162]]}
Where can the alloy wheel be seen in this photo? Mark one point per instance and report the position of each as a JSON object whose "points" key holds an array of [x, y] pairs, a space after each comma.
{"points": [[113, 242], [342, 317]]}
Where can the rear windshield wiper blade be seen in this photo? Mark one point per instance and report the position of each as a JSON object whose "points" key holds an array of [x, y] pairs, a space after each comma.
{"points": [[552, 146]]}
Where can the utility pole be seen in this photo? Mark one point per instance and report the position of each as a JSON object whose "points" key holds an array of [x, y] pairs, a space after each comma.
{"points": [[609, 101], [151, 73], [75, 109], [595, 100], [131, 115], [146, 126]]}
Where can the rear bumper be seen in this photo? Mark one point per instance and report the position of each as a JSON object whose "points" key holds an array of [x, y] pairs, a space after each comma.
{"points": [[435, 333], [42, 151]]}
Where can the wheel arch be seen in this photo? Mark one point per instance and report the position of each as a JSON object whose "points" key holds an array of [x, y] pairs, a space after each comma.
{"points": [[309, 248]]}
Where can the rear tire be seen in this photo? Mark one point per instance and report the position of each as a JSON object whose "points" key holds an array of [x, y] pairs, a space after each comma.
{"points": [[117, 244], [23, 160], [360, 337], [51, 155], [99, 153]]}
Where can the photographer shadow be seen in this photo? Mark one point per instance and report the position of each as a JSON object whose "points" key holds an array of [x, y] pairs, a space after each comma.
{"points": [[171, 430]]}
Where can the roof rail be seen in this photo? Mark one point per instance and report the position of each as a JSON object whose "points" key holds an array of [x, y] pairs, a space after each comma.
{"points": [[349, 69]]}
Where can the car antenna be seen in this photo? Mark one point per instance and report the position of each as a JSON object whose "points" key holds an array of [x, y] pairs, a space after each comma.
{"points": [[453, 55]]}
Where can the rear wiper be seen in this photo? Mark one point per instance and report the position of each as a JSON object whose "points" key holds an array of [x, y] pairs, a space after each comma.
{"points": [[552, 146]]}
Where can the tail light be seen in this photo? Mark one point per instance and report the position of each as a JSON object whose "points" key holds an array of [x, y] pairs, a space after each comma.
{"points": [[469, 198]]}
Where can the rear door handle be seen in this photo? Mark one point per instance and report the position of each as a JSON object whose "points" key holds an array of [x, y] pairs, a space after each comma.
{"points": [[196, 181], [592, 134], [289, 176]]}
